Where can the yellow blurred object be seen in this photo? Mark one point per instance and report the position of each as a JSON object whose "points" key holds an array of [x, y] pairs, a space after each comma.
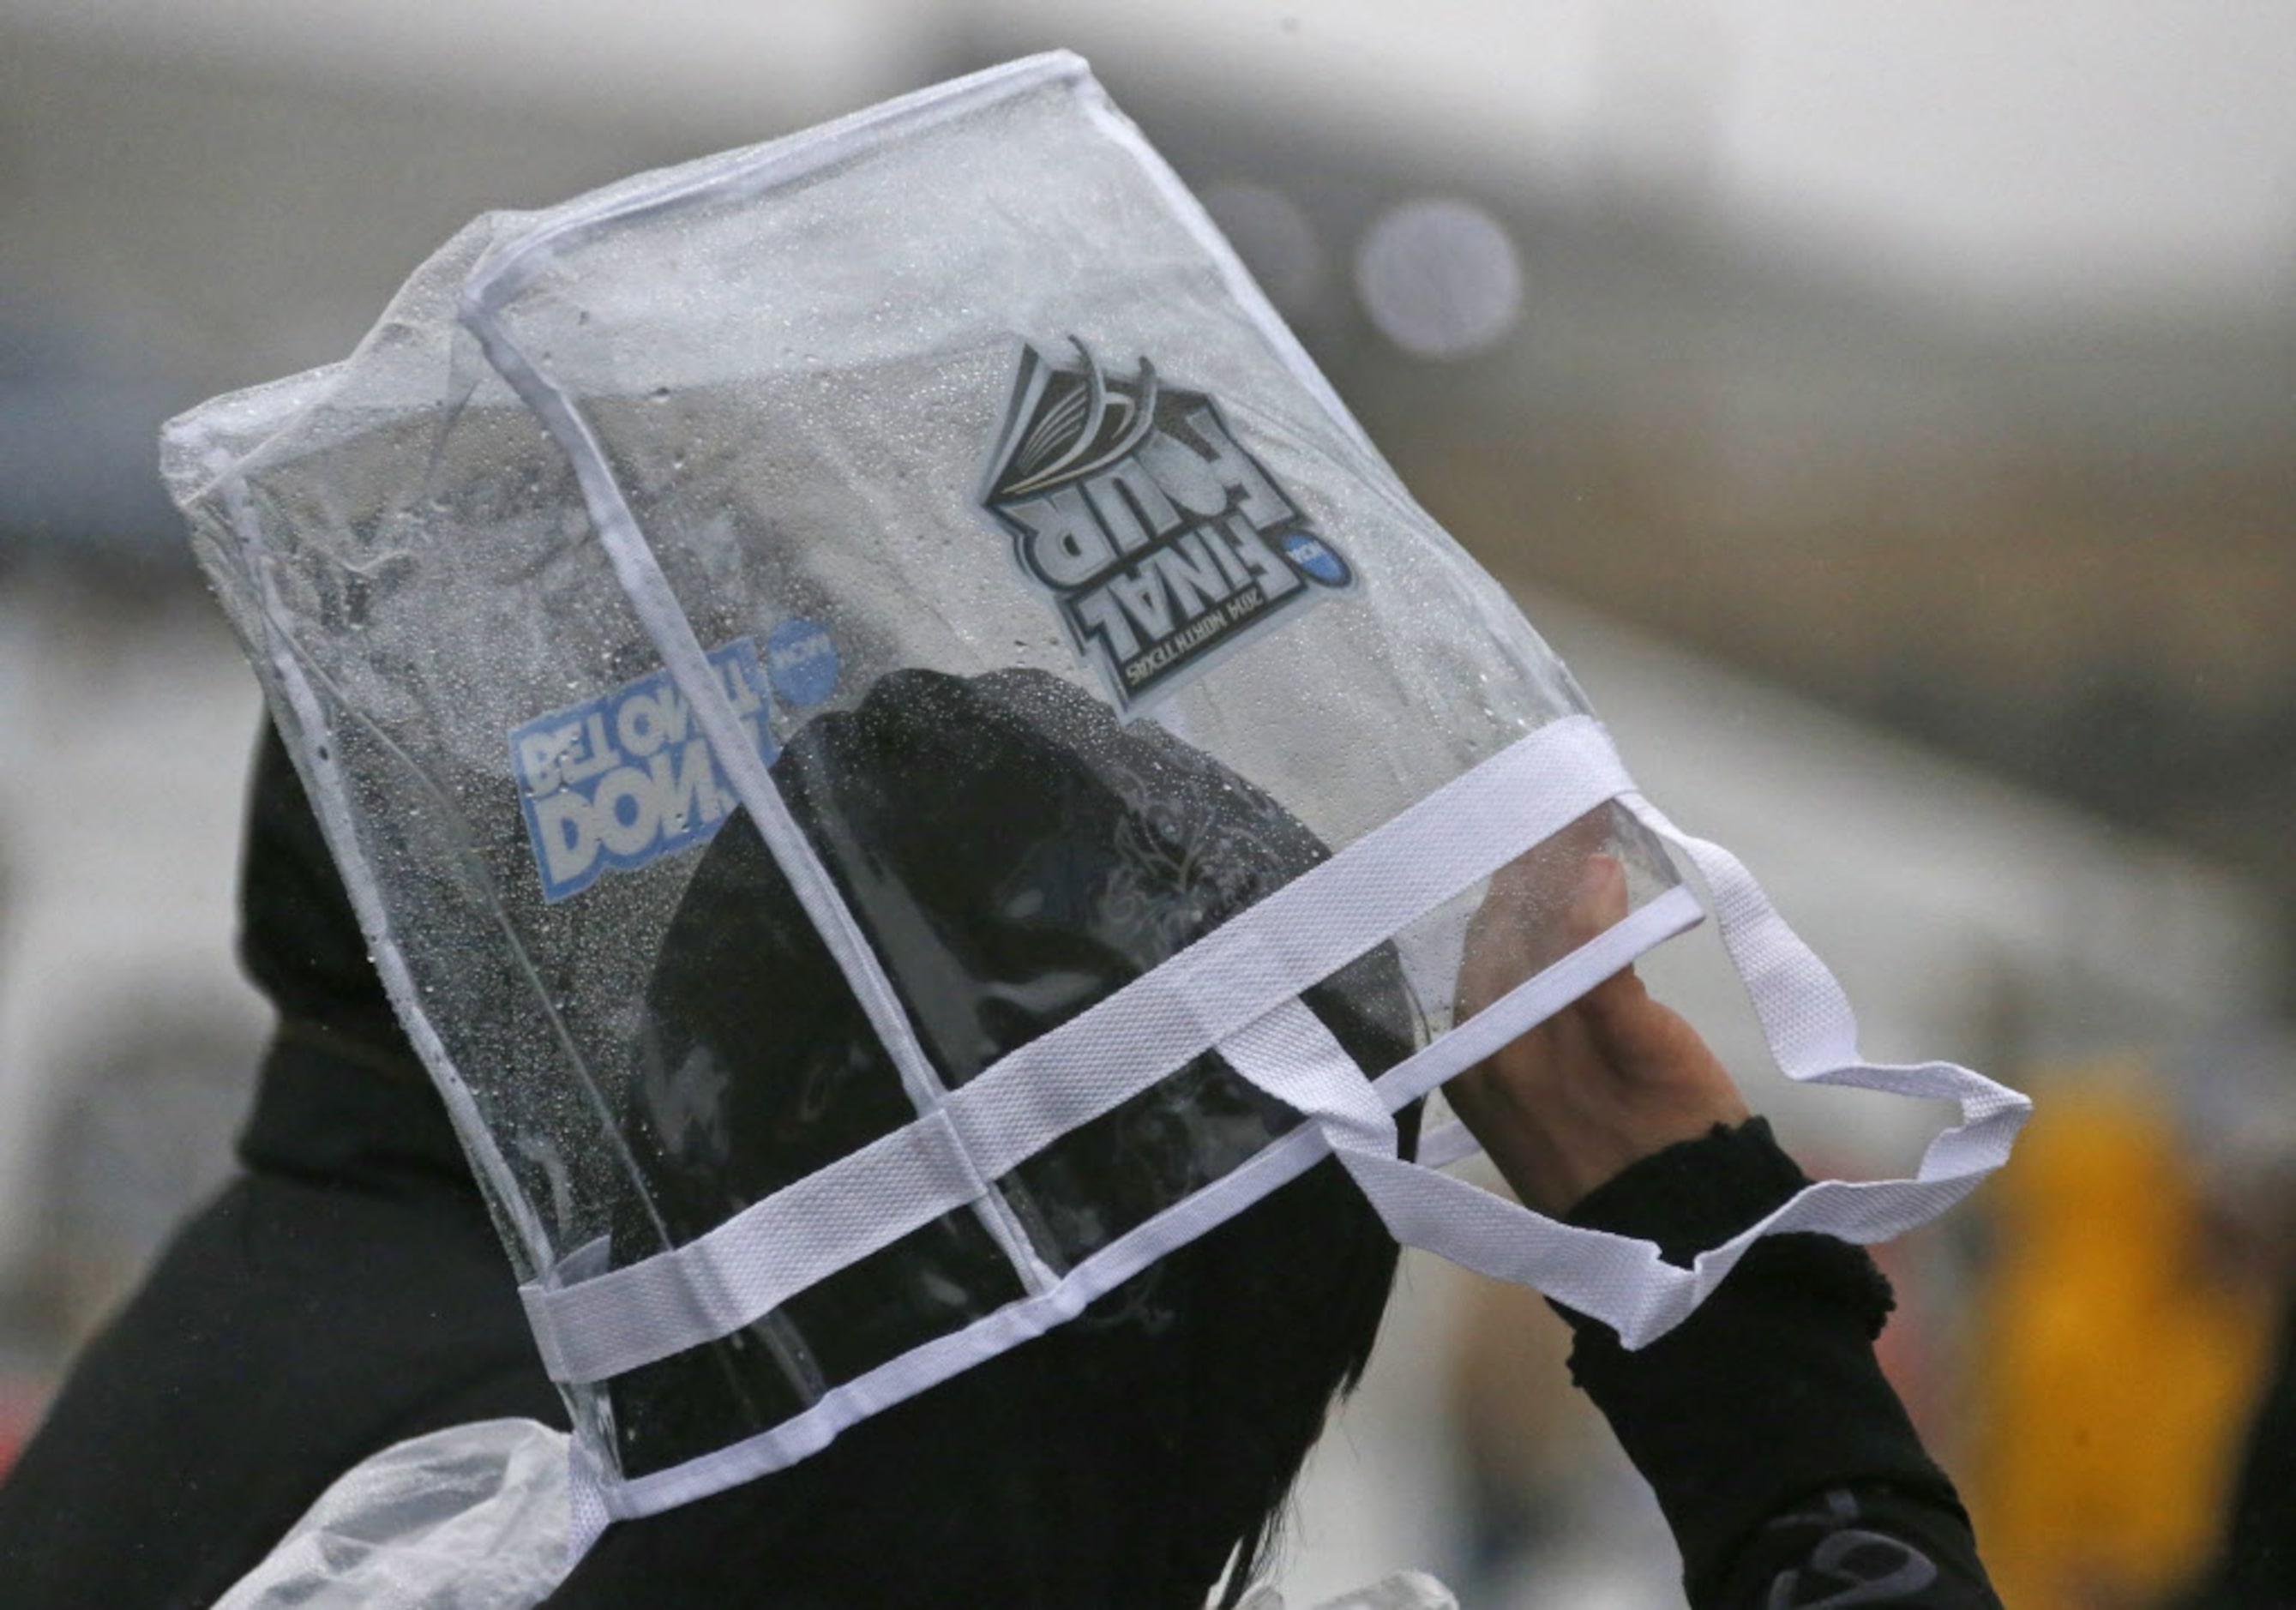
{"points": [[2119, 1360]]}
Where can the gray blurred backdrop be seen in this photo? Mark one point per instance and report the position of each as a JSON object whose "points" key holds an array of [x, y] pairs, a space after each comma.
{"points": [[1890, 410]]}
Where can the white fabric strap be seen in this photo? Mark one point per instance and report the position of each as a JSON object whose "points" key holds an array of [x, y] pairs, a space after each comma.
{"points": [[865, 1200], [1224, 982], [1446, 1144], [1296, 937], [1624, 1283], [601, 1497]]}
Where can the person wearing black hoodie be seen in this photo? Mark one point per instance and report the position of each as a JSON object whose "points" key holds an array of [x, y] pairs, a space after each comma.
{"points": [[348, 1291]]}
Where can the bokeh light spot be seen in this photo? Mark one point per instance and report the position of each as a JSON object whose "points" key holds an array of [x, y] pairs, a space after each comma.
{"points": [[1439, 278]]}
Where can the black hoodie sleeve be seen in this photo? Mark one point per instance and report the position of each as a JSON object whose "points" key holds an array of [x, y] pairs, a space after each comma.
{"points": [[1783, 1459]]}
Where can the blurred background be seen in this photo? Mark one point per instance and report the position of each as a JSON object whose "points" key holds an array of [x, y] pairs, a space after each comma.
{"points": [[1889, 412]]}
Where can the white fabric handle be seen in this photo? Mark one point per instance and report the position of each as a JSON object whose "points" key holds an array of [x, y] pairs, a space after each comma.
{"points": [[599, 1496], [1288, 1050], [1812, 1035], [592, 1329]]}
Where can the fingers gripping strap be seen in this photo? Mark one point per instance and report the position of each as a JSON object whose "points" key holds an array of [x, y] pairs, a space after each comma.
{"points": [[1221, 984], [1812, 1034], [1294, 1057], [1539, 996]]}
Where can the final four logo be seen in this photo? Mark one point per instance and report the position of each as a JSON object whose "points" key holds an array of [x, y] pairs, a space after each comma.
{"points": [[1164, 544]]}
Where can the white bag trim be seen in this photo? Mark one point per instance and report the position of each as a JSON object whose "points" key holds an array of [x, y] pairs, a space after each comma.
{"points": [[604, 1497], [1621, 1281], [745, 1268], [1231, 978]]}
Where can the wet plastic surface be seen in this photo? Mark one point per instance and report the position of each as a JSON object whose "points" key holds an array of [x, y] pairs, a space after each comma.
{"points": [[1017, 856], [855, 402]]}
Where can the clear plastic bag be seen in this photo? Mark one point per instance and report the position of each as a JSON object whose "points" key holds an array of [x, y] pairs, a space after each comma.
{"points": [[903, 756], [474, 1517]]}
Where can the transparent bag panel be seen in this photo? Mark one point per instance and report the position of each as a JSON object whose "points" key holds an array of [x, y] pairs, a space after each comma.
{"points": [[417, 573], [808, 424], [1071, 613]]}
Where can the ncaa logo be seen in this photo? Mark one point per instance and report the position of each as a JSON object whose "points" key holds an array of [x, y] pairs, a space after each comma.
{"points": [[1162, 543]]}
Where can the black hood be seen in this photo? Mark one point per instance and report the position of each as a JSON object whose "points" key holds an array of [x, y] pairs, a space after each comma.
{"points": [[298, 937], [343, 1098]]}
